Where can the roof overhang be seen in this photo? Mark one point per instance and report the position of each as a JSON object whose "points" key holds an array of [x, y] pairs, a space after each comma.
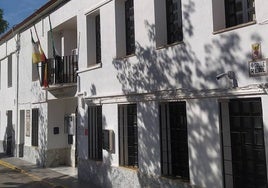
{"points": [[47, 8]]}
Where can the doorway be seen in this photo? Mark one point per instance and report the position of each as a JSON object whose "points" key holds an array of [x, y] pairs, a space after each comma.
{"points": [[244, 160]]}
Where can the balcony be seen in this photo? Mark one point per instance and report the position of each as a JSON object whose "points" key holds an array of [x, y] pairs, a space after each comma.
{"points": [[61, 75]]}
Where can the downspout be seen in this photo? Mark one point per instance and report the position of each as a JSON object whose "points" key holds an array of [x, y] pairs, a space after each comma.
{"points": [[17, 92]]}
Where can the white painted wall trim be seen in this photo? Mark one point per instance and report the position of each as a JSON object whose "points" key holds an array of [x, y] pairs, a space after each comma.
{"points": [[96, 7], [180, 94]]}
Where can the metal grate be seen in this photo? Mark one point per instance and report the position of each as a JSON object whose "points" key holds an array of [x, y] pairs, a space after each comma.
{"points": [[174, 140]]}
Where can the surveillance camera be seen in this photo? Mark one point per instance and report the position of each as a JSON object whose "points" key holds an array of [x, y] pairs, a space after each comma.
{"points": [[219, 76]]}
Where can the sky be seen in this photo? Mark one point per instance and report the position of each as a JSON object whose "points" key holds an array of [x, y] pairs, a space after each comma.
{"points": [[16, 11]]}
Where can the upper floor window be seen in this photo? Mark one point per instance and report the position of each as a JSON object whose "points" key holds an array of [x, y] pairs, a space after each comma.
{"points": [[9, 71], [239, 12], [168, 22], [230, 13], [174, 21], [94, 38], [130, 30], [125, 28], [98, 38]]}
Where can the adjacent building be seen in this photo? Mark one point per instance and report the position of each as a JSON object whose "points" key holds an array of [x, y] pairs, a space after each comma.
{"points": [[155, 93]]}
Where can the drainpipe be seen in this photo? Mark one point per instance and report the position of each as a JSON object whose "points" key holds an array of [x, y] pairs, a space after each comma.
{"points": [[17, 92]]}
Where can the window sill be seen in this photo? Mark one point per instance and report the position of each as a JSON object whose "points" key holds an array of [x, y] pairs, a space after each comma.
{"points": [[234, 27], [129, 168], [125, 57], [91, 67], [175, 178], [169, 45]]}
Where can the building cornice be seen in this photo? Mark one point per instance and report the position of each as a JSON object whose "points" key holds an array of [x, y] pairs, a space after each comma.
{"points": [[179, 94]]}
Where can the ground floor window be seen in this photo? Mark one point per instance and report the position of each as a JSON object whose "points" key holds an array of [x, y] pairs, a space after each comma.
{"points": [[35, 117], [128, 135], [174, 140], [95, 132], [244, 161]]}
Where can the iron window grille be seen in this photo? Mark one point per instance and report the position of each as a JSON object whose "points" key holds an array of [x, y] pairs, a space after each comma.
{"points": [[174, 140], [239, 12], [130, 29], [243, 147], [98, 39], [174, 21], [95, 132], [35, 117], [9, 71], [128, 135]]}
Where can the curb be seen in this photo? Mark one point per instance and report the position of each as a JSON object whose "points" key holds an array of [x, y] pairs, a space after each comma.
{"points": [[34, 177]]}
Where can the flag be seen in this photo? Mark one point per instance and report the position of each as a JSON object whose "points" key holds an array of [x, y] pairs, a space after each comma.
{"points": [[36, 55]]}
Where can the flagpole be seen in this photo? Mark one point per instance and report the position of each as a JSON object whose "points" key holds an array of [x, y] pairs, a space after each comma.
{"points": [[52, 40]]}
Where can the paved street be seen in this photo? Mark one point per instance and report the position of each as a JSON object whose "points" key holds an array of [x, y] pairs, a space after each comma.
{"points": [[15, 172], [14, 178]]}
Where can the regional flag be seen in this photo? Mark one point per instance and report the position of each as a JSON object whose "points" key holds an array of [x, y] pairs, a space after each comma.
{"points": [[36, 55]]}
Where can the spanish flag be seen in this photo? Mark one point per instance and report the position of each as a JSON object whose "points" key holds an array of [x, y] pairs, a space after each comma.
{"points": [[38, 56]]}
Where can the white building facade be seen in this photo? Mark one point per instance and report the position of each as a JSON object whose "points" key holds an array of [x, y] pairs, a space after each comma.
{"points": [[36, 120], [167, 93]]}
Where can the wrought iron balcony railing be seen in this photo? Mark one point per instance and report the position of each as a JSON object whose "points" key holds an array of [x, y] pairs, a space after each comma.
{"points": [[60, 70]]}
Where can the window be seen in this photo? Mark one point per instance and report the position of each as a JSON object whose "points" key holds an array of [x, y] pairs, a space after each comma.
{"points": [[95, 132], [35, 117], [130, 30], [174, 142], [243, 146], [98, 39], [128, 135], [125, 36], [229, 13], [9, 71], [174, 21], [239, 12], [168, 23], [94, 38]]}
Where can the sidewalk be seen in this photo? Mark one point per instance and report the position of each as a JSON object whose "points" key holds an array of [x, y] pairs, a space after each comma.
{"points": [[60, 177]]}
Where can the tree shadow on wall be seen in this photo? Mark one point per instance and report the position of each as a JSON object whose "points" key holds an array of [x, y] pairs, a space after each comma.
{"points": [[187, 66], [41, 159]]}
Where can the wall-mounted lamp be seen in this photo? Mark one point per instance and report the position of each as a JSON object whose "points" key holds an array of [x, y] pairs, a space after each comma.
{"points": [[230, 75]]}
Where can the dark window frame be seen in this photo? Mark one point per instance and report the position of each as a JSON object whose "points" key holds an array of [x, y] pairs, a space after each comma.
{"points": [[95, 133], [130, 27], [174, 140], [9, 71], [35, 126], [128, 135], [174, 21], [239, 12], [98, 38]]}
